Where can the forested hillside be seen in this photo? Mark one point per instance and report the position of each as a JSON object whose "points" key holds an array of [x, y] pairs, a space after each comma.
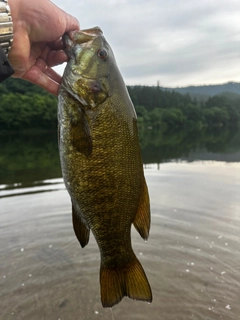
{"points": [[171, 110], [24, 106], [209, 90]]}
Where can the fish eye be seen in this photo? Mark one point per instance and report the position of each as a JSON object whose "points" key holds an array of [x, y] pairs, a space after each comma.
{"points": [[102, 53]]}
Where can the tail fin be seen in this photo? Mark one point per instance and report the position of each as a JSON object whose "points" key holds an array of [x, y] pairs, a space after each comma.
{"points": [[129, 281]]}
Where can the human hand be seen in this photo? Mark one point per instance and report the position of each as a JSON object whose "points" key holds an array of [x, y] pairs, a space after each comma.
{"points": [[38, 27]]}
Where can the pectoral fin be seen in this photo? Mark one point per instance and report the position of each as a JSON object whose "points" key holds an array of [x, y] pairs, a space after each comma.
{"points": [[80, 133], [81, 230], [142, 218]]}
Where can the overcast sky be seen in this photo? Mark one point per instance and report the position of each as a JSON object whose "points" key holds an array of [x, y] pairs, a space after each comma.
{"points": [[178, 42]]}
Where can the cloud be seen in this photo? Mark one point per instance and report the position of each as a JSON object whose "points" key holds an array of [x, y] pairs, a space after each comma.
{"points": [[181, 42]]}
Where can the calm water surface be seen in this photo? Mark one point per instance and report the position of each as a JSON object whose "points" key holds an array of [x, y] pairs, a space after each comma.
{"points": [[192, 258]]}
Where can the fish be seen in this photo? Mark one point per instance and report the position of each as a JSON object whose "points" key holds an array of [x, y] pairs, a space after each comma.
{"points": [[101, 163]]}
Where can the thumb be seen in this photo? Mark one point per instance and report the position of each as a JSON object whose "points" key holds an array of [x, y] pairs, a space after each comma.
{"points": [[71, 23], [20, 51]]}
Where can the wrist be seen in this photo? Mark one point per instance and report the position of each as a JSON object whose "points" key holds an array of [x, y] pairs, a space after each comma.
{"points": [[6, 27]]}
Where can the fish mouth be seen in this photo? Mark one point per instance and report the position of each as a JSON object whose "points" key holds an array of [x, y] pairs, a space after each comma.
{"points": [[82, 38]]}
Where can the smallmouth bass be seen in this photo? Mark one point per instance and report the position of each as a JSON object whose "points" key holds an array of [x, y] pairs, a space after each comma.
{"points": [[101, 163]]}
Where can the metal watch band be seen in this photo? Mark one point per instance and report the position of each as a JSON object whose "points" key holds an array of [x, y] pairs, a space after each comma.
{"points": [[6, 26]]}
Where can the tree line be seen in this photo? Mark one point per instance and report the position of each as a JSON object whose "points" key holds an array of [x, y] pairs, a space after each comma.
{"points": [[170, 110], [25, 106]]}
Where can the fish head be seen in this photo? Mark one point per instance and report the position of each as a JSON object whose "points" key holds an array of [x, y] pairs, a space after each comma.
{"points": [[88, 74]]}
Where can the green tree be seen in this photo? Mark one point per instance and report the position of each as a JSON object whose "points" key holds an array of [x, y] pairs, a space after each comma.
{"points": [[173, 118]]}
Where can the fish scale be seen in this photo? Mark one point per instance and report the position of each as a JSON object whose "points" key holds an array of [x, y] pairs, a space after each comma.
{"points": [[101, 163]]}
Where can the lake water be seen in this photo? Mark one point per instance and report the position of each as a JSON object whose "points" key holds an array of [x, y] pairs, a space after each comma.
{"points": [[192, 258]]}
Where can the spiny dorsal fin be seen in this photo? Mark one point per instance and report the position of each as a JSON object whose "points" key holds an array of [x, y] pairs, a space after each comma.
{"points": [[142, 219], [81, 230]]}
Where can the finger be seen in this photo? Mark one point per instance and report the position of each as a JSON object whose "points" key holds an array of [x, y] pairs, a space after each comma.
{"points": [[36, 76], [19, 53], [56, 58], [56, 45], [71, 23], [45, 68], [52, 57]]}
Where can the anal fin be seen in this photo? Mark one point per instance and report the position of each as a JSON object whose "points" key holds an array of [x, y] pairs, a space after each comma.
{"points": [[81, 230], [142, 219]]}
